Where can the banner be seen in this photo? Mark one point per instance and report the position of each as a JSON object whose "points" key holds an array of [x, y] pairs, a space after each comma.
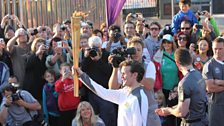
{"points": [[113, 9]]}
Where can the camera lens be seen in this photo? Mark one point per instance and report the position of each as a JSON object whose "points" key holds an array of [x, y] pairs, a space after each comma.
{"points": [[92, 53]]}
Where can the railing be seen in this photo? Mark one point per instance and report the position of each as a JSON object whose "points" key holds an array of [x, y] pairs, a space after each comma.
{"points": [[34, 13]]}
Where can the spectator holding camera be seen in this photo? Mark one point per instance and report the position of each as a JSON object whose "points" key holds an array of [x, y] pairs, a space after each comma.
{"points": [[19, 53], [115, 81], [6, 30], [56, 55], [35, 68], [67, 102], [185, 13], [96, 65], [18, 107], [115, 39]]}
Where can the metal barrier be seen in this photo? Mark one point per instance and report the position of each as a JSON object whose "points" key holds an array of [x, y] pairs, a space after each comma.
{"points": [[34, 13]]}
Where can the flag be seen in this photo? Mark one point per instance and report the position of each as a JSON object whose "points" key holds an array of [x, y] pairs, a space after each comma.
{"points": [[113, 9]]}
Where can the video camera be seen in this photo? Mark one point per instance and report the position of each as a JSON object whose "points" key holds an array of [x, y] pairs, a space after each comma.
{"points": [[120, 55]]}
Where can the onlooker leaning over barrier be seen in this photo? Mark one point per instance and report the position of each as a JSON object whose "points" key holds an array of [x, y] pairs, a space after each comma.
{"points": [[191, 105], [213, 73]]}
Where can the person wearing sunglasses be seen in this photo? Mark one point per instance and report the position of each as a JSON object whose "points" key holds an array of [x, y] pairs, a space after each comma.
{"points": [[152, 42], [169, 71], [192, 32], [185, 13]]}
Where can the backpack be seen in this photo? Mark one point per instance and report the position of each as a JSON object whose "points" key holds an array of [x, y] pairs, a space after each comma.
{"points": [[158, 80]]}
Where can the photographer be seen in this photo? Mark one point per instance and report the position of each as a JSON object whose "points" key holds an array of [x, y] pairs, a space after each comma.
{"points": [[115, 39], [17, 107], [96, 65], [147, 81]]}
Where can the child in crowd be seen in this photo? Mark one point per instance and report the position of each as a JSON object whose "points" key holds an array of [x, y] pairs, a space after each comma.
{"points": [[67, 102], [50, 99], [160, 98], [185, 13]]}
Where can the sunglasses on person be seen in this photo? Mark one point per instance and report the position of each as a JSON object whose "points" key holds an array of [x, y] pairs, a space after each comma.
{"points": [[155, 29], [185, 28], [182, 38]]}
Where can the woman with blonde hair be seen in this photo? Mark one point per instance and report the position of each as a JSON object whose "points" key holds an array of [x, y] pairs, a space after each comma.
{"points": [[85, 116]]}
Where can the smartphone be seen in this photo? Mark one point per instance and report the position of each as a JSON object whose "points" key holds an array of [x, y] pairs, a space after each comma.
{"points": [[199, 26], [59, 44]]}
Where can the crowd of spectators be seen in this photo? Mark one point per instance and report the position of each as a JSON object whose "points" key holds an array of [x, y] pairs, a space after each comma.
{"points": [[36, 72]]}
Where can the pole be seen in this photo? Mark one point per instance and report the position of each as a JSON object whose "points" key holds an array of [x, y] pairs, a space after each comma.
{"points": [[75, 20], [172, 7]]}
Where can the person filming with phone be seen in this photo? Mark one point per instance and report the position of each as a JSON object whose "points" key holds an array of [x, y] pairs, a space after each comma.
{"points": [[56, 55]]}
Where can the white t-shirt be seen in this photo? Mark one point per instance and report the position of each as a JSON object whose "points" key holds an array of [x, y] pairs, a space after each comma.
{"points": [[150, 72], [113, 45]]}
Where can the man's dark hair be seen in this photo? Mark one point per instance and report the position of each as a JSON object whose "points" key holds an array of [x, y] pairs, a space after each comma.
{"points": [[185, 2], [183, 57], [97, 31], [135, 66], [8, 87], [219, 40], [186, 22], [129, 22], [115, 28], [155, 23]]}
